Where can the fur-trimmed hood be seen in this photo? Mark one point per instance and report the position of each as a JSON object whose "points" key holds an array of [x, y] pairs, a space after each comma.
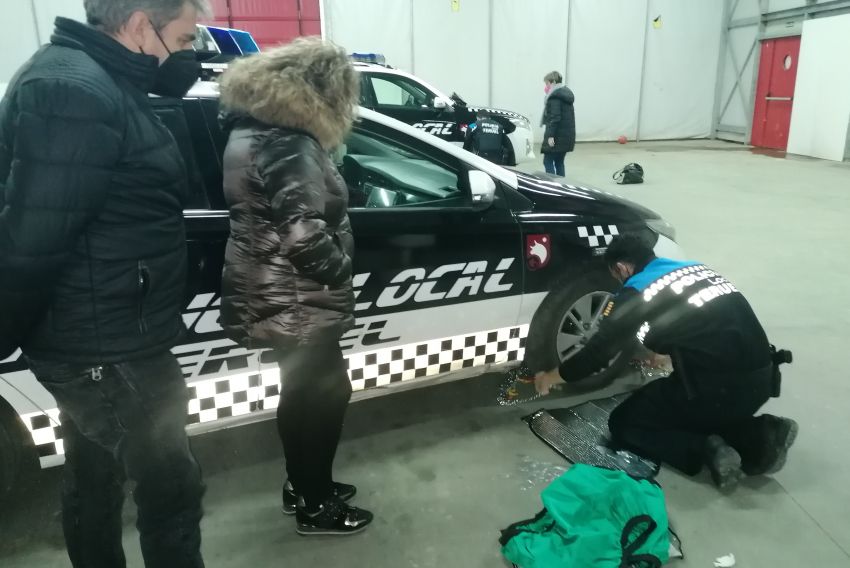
{"points": [[308, 85]]}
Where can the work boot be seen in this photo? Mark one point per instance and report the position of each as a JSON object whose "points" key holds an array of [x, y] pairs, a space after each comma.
{"points": [[723, 462], [334, 517], [290, 498], [779, 435]]}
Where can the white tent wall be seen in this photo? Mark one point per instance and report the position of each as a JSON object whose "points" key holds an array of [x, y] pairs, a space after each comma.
{"points": [[32, 24], [681, 69], [498, 56], [821, 114], [543, 48], [18, 41], [605, 56], [452, 49], [367, 26]]}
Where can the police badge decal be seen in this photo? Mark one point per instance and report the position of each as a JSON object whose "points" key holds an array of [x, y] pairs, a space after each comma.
{"points": [[538, 251]]}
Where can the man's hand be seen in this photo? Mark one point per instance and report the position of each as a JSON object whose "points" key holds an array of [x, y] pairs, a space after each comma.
{"points": [[551, 142], [544, 381]]}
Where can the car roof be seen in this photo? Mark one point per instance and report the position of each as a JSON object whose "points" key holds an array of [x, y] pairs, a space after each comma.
{"points": [[209, 90]]}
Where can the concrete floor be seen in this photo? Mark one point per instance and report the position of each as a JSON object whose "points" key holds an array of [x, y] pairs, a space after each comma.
{"points": [[444, 469]]}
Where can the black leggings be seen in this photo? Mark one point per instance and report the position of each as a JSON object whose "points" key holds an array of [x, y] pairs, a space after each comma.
{"points": [[314, 395], [661, 422]]}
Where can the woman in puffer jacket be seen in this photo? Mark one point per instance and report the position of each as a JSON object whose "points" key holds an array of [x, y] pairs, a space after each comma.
{"points": [[287, 273]]}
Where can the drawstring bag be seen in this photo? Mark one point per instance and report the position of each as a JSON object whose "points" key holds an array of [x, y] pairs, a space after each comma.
{"points": [[631, 173], [593, 517]]}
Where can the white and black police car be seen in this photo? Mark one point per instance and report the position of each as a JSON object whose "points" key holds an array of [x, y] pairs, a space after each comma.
{"points": [[409, 99], [462, 267]]}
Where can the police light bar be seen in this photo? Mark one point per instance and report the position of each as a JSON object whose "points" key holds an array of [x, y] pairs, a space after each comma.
{"points": [[375, 58]]}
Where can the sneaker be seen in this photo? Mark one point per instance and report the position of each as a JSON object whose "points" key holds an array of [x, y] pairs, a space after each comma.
{"points": [[780, 434], [334, 517], [290, 498], [723, 462]]}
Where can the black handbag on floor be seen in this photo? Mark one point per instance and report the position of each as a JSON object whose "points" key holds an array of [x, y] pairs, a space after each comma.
{"points": [[631, 173]]}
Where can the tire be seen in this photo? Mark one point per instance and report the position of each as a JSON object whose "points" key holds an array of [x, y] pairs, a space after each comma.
{"points": [[561, 324], [11, 450]]}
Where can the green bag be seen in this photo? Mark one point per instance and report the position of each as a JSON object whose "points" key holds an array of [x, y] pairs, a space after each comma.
{"points": [[593, 517]]}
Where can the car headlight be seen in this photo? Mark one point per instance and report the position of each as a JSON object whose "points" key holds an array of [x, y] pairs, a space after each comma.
{"points": [[662, 227], [521, 122]]}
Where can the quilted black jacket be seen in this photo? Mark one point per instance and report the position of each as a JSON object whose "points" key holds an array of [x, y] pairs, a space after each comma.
{"points": [[287, 275], [92, 243]]}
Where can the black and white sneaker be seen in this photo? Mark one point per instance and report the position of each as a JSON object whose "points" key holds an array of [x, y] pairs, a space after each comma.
{"points": [[290, 498], [724, 463], [334, 517]]}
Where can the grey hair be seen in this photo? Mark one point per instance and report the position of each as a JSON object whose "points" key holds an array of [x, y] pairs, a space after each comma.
{"points": [[111, 15], [553, 77]]}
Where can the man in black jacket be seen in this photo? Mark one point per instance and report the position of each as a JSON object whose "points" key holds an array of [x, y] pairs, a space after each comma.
{"points": [[723, 368], [92, 268]]}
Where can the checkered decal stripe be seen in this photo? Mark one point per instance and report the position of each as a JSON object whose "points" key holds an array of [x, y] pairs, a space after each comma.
{"points": [[241, 394], [46, 432], [387, 366], [598, 234]]}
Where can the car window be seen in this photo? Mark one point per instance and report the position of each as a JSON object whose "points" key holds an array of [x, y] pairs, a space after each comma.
{"points": [[399, 91], [382, 174]]}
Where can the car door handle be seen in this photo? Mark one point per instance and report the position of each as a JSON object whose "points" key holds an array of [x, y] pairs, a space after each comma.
{"points": [[779, 98]]}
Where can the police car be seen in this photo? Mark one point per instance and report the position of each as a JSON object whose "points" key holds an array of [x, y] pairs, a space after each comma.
{"points": [[412, 100], [462, 267]]}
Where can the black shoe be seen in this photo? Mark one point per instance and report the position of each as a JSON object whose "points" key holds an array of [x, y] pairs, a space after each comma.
{"points": [[723, 462], [779, 436], [290, 498], [334, 517]]}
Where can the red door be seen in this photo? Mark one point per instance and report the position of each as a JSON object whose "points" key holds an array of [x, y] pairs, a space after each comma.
{"points": [[775, 92]]}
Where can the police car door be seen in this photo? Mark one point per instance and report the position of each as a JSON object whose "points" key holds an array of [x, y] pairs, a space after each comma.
{"points": [[408, 101], [438, 282]]}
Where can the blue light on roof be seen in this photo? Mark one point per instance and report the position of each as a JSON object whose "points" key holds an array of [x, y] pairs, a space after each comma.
{"points": [[245, 41], [375, 58]]}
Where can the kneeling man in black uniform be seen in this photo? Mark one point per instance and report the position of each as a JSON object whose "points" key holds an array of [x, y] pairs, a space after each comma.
{"points": [[724, 368]]}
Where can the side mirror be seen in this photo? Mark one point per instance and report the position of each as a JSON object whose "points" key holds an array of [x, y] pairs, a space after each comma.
{"points": [[483, 189], [440, 103]]}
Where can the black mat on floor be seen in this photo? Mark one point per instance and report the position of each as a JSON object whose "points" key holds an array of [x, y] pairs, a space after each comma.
{"points": [[580, 435]]}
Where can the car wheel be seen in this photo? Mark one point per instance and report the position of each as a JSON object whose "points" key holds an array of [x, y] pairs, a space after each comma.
{"points": [[11, 450], [567, 318]]}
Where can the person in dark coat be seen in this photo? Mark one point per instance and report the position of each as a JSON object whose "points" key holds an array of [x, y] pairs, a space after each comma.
{"points": [[559, 123], [92, 269], [287, 282]]}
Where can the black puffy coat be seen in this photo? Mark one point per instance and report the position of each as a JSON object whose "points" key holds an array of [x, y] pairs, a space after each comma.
{"points": [[559, 121], [92, 242], [287, 275]]}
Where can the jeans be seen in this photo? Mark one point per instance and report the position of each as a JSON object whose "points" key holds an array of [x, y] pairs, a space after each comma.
{"points": [[661, 422], [314, 396], [126, 422], [554, 163]]}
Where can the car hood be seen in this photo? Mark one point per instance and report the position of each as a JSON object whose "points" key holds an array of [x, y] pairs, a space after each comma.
{"points": [[549, 195]]}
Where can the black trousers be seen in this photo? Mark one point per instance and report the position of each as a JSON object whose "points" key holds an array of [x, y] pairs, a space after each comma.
{"points": [[660, 421], [127, 422], [314, 396]]}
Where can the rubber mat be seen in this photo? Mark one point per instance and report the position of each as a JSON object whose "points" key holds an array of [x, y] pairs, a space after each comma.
{"points": [[580, 435]]}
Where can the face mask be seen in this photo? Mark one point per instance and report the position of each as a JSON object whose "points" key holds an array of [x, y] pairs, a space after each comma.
{"points": [[547, 88], [177, 73]]}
